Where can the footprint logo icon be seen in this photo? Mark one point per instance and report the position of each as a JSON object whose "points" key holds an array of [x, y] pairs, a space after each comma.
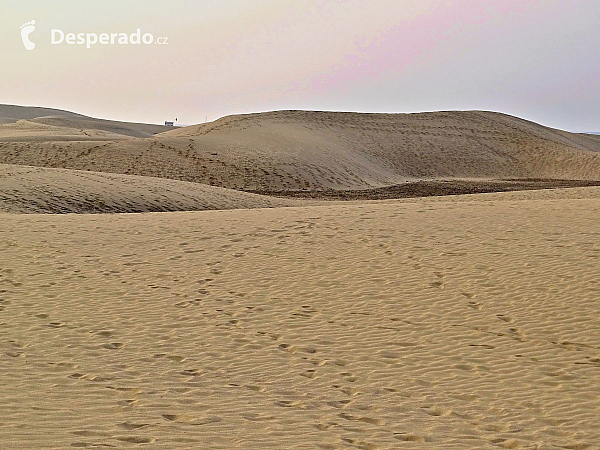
{"points": [[26, 30]]}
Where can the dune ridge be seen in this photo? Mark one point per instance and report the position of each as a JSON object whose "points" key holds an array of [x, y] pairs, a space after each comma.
{"points": [[250, 321], [10, 114], [294, 150], [26, 189]]}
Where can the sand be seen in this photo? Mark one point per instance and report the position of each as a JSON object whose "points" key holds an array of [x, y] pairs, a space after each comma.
{"points": [[291, 150], [463, 322], [31, 115], [38, 131], [25, 189], [237, 320], [12, 113]]}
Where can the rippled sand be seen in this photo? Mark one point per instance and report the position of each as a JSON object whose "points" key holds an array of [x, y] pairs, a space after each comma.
{"points": [[294, 150], [27, 189], [418, 324]]}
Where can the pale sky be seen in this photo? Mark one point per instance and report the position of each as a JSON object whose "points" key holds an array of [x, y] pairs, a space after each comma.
{"points": [[537, 59]]}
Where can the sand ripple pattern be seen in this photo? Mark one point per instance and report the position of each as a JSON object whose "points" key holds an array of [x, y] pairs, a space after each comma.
{"points": [[392, 325], [26, 189], [292, 150]]}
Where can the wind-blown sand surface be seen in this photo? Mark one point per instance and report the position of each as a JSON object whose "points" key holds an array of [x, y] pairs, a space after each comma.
{"points": [[292, 150], [470, 323], [31, 117], [25, 189]]}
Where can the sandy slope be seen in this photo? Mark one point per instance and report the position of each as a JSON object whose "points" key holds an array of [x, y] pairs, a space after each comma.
{"points": [[47, 133], [11, 113], [29, 189], [123, 129], [313, 150], [26, 189], [418, 324]]}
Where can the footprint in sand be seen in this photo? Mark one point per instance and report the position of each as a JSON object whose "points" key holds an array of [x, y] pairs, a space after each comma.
{"points": [[339, 403], [288, 403], [257, 417], [310, 374], [112, 345], [132, 426], [287, 348], [191, 372], [489, 347], [105, 333], [348, 376], [408, 437], [255, 388], [371, 420], [504, 318], [436, 411], [135, 439]]}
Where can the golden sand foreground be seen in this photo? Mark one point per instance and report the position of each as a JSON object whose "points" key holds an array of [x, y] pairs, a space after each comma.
{"points": [[469, 322]]}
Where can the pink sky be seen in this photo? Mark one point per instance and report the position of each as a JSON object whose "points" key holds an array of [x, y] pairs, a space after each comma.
{"points": [[536, 59]]}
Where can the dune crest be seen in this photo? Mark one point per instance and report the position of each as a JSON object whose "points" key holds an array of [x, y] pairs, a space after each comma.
{"points": [[292, 150], [26, 189]]}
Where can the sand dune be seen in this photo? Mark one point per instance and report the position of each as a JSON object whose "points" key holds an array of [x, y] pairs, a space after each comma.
{"points": [[288, 150], [11, 113], [36, 130], [467, 321], [122, 129], [421, 324], [29, 189], [26, 189]]}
